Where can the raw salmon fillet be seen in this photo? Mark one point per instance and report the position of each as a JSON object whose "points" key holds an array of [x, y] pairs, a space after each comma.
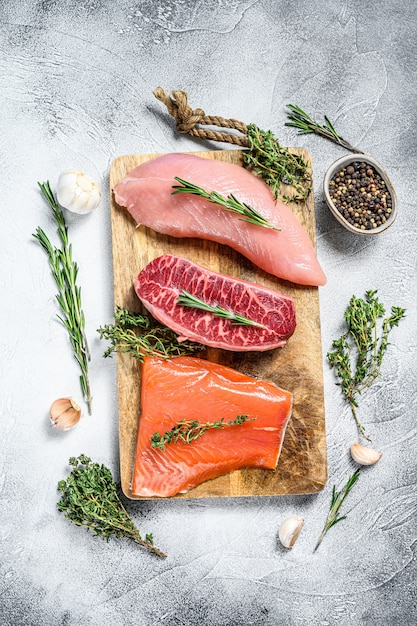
{"points": [[162, 281], [188, 388], [146, 192]]}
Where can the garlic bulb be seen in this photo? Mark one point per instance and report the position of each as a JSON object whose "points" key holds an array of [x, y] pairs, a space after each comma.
{"points": [[289, 530], [64, 413], [364, 455], [77, 192]]}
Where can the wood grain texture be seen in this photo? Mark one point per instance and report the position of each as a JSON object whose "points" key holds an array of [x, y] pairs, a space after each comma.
{"points": [[297, 367]]}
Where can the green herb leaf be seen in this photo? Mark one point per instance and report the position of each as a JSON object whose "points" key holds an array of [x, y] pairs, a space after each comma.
{"points": [[276, 165], [300, 120], [358, 353], [231, 203], [65, 272], [188, 299], [338, 498], [141, 336], [90, 499], [188, 431]]}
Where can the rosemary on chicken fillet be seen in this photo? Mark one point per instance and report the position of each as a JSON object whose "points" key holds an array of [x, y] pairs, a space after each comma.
{"points": [[229, 203]]}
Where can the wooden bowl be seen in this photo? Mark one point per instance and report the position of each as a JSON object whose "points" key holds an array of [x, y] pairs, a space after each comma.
{"points": [[343, 163]]}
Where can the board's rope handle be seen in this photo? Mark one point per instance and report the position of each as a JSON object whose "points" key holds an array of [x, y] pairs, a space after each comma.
{"points": [[187, 119]]}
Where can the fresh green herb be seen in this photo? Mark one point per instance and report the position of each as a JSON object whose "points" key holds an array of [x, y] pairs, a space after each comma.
{"points": [[276, 165], [302, 121], [140, 336], [338, 498], [359, 352], [65, 272], [90, 499], [190, 430], [231, 203], [265, 156], [187, 299]]}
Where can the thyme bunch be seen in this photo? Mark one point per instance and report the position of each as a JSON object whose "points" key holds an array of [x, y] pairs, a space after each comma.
{"points": [[302, 121], [276, 165], [358, 354], [265, 156], [65, 272], [90, 499], [231, 203], [188, 299], [338, 497], [188, 431], [139, 336]]}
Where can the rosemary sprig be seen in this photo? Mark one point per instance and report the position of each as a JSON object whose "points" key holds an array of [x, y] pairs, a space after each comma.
{"points": [[276, 165], [188, 299], [139, 336], [65, 271], [338, 498], [187, 431], [359, 352], [302, 121], [90, 499], [231, 203]]}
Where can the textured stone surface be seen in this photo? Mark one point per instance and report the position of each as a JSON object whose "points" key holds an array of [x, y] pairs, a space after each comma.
{"points": [[76, 85]]}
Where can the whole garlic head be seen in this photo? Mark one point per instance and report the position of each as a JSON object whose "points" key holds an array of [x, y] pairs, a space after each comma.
{"points": [[289, 530], [77, 192]]}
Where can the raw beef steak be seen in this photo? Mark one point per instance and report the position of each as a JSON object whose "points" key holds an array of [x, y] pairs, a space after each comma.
{"points": [[162, 281]]}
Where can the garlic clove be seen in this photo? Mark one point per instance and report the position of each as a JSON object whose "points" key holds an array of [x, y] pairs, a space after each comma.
{"points": [[364, 455], [289, 530], [64, 413], [77, 192]]}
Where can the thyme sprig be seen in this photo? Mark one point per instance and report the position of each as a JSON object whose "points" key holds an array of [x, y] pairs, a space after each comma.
{"points": [[230, 203], [302, 121], [359, 351], [188, 299], [139, 336], [90, 499], [276, 165], [188, 431], [65, 272], [338, 497]]}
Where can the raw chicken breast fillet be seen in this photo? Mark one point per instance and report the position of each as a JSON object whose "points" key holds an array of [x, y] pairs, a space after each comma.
{"points": [[146, 192]]}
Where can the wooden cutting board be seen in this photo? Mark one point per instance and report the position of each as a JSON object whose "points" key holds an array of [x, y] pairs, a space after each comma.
{"points": [[297, 367]]}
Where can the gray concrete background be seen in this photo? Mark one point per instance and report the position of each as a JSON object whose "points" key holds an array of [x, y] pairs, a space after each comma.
{"points": [[76, 81]]}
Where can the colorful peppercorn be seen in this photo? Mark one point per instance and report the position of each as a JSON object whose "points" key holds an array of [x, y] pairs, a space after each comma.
{"points": [[361, 196]]}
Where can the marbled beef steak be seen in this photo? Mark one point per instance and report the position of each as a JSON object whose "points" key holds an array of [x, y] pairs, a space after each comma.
{"points": [[161, 282]]}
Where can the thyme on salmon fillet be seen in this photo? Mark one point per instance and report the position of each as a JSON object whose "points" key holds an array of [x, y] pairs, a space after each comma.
{"points": [[141, 336], [187, 431]]}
